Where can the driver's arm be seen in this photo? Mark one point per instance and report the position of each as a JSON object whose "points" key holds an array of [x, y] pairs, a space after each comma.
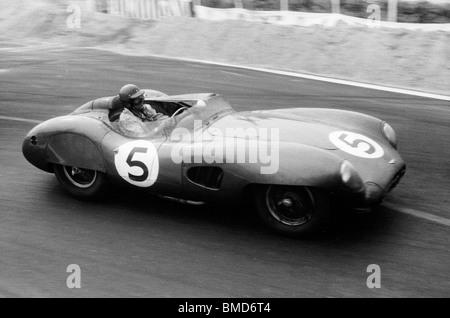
{"points": [[130, 125], [152, 114]]}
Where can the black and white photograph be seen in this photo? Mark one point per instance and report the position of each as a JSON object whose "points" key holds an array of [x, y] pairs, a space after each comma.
{"points": [[225, 155]]}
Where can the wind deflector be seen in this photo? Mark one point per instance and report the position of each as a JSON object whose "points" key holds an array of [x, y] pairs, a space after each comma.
{"points": [[184, 98]]}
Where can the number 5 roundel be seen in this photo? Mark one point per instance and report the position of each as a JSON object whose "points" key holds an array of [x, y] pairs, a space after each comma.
{"points": [[356, 144], [137, 163]]}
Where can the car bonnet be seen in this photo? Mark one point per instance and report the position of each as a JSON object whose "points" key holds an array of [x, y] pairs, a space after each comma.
{"points": [[265, 126]]}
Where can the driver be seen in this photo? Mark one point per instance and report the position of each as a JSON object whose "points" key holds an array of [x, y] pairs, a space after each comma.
{"points": [[136, 112], [133, 99]]}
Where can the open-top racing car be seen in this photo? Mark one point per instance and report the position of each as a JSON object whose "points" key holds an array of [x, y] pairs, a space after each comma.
{"points": [[292, 163]]}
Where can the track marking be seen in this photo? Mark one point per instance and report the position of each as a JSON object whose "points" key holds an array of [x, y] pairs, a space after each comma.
{"points": [[320, 78], [20, 119], [378, 87], [334, 81], [4, 71], [422, 215], [233, 73]]}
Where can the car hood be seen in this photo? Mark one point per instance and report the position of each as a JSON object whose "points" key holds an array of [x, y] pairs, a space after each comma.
{"points": [[263, 124]]}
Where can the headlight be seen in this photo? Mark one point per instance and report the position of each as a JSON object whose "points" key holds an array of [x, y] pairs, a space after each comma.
{"points": [[350, 177], [389, 134]]}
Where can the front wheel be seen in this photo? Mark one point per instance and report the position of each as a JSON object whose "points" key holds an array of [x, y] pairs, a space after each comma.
{"points": [[81, 183], [292, 210]]}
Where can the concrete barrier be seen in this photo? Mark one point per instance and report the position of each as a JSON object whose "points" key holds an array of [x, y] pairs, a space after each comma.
{"points": [[306, 19]]}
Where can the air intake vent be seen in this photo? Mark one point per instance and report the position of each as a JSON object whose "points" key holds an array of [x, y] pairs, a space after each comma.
{"points": [[210, 177]]}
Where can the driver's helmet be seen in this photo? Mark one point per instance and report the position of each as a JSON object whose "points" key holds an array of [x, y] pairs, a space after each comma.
{"points": [[130, 92]]}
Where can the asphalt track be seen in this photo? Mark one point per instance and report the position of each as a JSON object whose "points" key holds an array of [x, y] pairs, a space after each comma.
{"points": [[133, 245]]}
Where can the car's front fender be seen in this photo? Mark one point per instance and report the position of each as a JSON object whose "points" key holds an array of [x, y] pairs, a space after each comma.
{"points": [[293, 164], [68, 140], [74, 150]]}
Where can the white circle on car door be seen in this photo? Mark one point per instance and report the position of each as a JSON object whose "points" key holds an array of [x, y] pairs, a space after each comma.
{"points": [[356, 144], [137, 163]]}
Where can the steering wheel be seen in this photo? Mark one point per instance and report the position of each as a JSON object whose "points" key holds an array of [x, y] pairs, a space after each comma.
{"points": [[179, 110]]}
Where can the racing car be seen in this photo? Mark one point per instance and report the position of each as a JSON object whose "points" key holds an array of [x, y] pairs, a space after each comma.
{"points": [[295, 165]]}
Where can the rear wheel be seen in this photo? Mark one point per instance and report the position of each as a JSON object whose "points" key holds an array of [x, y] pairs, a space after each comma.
{"points": [[294, 211], [81, 183]]}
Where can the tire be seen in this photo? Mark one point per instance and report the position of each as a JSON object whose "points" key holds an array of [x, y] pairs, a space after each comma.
{"points": [[83, 184], [293, 211]]}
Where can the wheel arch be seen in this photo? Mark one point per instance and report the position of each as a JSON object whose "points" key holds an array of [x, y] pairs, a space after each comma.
{"points": [[298, 165]]}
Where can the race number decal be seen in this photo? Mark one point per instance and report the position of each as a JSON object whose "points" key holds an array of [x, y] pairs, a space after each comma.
{"points": [[356, 144], [137, 163]]}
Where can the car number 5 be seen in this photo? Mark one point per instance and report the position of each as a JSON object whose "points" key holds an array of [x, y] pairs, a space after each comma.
{"points": [[137, 163], [356, 144]]}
